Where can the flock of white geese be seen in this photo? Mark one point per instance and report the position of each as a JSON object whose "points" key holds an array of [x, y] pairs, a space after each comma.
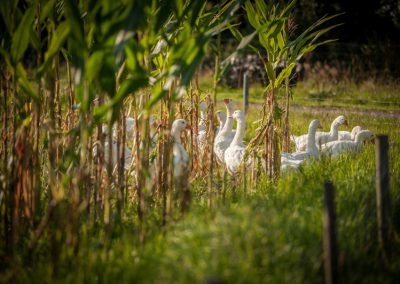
{"points": [[230, 150]]}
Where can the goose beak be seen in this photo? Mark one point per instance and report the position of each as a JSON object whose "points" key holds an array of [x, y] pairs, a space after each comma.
{"points": [[188, 127], [346, 123]]}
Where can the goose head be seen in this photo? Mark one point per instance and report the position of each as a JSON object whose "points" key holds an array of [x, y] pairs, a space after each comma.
{"points": [[340, 120], [355, 131], [229, 104], [365, 135], [238, 115], [221, 116], [177, 127], [203, 106], [314, 124]]}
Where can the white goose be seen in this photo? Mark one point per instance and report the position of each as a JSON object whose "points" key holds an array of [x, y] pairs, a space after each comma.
{"points": [[127, 156], [321, 137], [202, 126], [311, 148], [346, 135], [203, 116], [129, 126], [181, 158], [221, 117], [235, 152], [224, 137], [114, 159], [337, 147]]}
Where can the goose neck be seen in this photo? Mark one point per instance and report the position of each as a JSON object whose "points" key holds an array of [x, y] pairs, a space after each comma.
{"points": [[202, 116], [334, 129], [311, 139], [221, 123], [238, 139], [176, 136], [229, 121]]}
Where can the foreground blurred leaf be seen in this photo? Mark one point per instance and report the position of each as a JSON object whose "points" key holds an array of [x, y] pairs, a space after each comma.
{"points": [[128, 87], [21, 36], [25, 84], [57, 41]]}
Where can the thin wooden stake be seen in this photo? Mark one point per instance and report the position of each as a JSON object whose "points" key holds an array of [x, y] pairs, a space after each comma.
{"points": [[245, 92], [330, 241], [382, 190]]}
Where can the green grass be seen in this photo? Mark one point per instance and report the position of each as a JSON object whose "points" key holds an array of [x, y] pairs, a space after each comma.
{"points": [[270, 234], [367, 95]]}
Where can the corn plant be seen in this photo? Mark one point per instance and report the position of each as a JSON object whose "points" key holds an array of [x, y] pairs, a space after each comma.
{"points": [[270, 22], [114, 56]]}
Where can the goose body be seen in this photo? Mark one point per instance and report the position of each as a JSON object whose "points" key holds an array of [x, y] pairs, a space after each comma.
{"points": [[114, 161], [130, 124], [346, 135], [234, 154], [202, 126], [337, 147], [203, 116], [181, 158], [311, 148], [321, 137], [127, 156], [221, 117], [224, 137]]}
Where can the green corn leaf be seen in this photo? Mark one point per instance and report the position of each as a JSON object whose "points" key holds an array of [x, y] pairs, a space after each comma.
{"points": [[94, 65], [200, 15], [34, 41], [132, 60], [235, 32], [163, 13], [270, 71], [264, 41], [288, 9], [21, 36], [127, 87], [130, 86], [198, 8], [47, 8], [25, 84], [107, 74], [57, 41], [285, 73], [75, 23], [313, 47], [252, 15], [157, 94], [262, 9], [6, 57], [246, 40], [7, 10]]}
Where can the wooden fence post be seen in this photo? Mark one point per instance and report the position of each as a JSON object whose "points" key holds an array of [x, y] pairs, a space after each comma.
{"points": [[382, 190], [330, 242], [245, 92]]}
